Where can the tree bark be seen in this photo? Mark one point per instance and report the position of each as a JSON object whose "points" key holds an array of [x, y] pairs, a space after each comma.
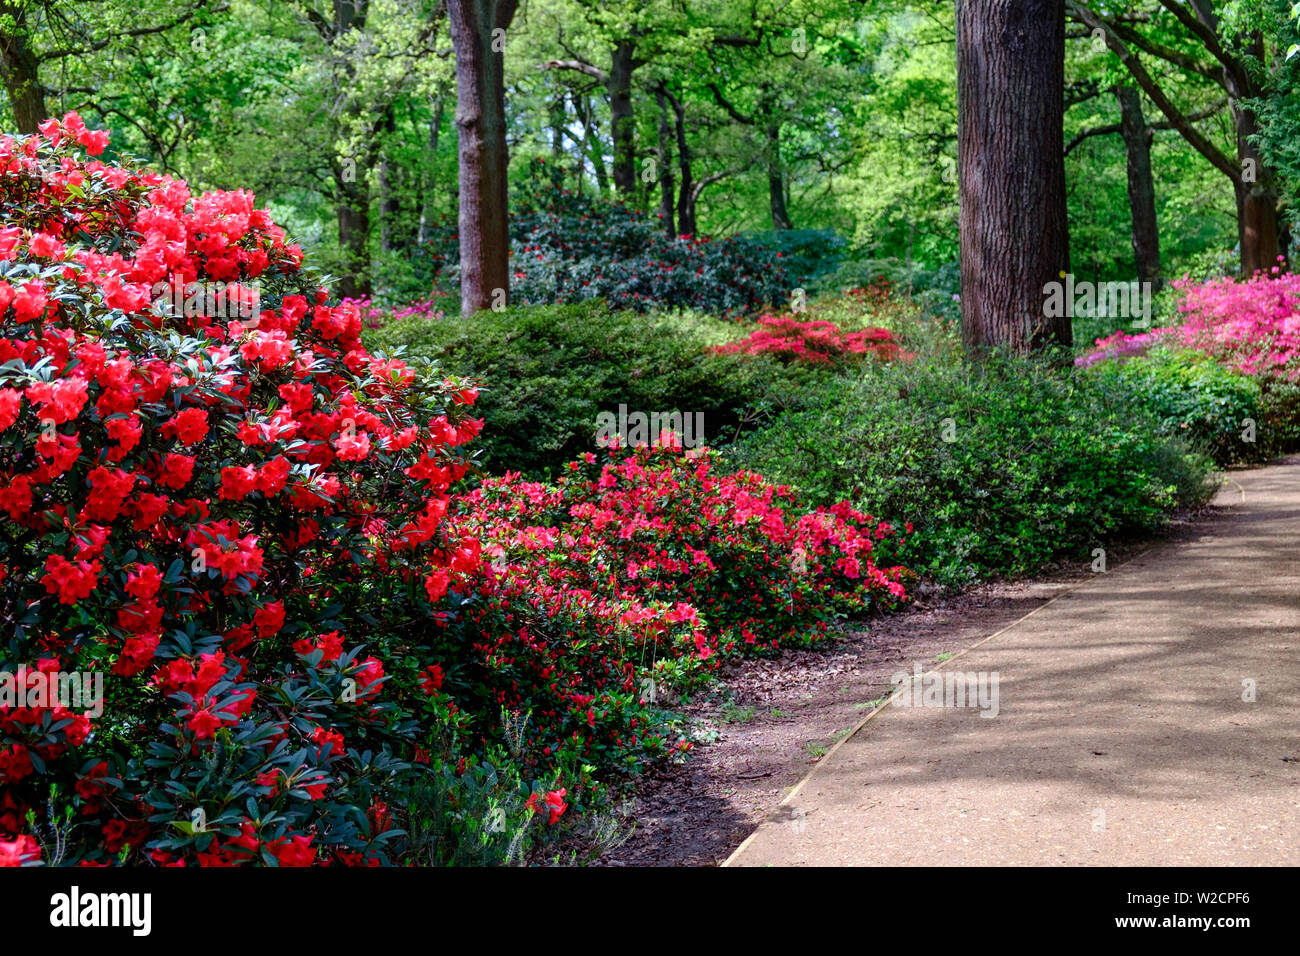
{"points": [[20, 70], [390, 205], [353, 207], [622, 121], [429, 187], [1252, 182], [1141, 184], [558, 118], [1013, 224], [481, 123], [591, 144], [776, 179], [686, 194], [665, 162]]}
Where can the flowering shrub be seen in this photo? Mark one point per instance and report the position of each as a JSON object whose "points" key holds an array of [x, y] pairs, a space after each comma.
{"points": [[567, 248], [548, 372], [238, 522], [374, 317], [1121, 345], [1249, 328], [1251, 325], [818, 342], [644, 568], [1001, 467]]}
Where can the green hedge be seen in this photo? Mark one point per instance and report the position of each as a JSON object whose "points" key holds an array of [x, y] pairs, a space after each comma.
{"points": [[1001, 468], [1192, 396], [549, 370]]}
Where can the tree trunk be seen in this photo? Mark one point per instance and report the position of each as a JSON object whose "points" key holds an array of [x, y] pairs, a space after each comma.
{"points": [[389, 204], [354, 230], [19, 69], [686, 188], [429, 187], [776, 179], [1256, 193], [665, 163], [621, 119], [558, 119], [591, 138], [1141, 184], [1014, 230], [481, 123]]}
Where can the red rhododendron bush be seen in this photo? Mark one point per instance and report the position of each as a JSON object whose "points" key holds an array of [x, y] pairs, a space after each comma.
{"points": [[818, 342], [231, 529], [237, 523], [631, 578]]}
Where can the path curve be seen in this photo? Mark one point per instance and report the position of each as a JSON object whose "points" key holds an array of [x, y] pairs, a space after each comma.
{"points": [[1122, 736]]}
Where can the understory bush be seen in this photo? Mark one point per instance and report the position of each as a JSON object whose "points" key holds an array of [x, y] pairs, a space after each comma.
{"points": [[1216, 409], [230, 524], [1248, 327], [815, 342], [567, 248], [632, 575], [1000, 467], [549, 371]]}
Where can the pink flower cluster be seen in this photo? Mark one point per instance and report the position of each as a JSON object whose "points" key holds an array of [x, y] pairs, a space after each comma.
{"points": [[1251, 325]]}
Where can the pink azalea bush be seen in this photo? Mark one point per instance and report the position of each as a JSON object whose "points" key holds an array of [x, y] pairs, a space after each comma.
{"points": [[1250, 325]]}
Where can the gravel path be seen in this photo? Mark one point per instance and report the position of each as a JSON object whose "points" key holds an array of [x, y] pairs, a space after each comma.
{"points": [[1150, 715]]}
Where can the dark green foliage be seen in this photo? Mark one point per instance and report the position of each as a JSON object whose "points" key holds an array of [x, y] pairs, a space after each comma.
{"points": [[1041, 463], [569, 248], [549, 370], [1191, 395]]}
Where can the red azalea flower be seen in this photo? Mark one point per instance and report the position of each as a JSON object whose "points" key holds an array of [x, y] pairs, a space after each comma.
{"points": [[203, 724]]}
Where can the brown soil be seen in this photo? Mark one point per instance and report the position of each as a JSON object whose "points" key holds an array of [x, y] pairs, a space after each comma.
{"points": [[774, 718]]}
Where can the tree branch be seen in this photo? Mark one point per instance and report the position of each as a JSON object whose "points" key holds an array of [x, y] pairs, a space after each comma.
{"points": [[1216, 156], [1116, 128], [579, 65], [137, 32]]}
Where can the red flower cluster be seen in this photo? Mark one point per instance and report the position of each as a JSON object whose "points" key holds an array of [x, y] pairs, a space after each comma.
{"points": [[647, 563], [817, 342], [213, 514]]}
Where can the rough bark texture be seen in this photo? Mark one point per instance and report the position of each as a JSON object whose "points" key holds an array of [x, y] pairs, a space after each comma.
{"points": [[353, 207], [480, 122], [558, 119], [591, 147], [1257, 227], [390, 205], [19, 70], [622, 119], [1014, 230], [1141, 185], [429, 188]]}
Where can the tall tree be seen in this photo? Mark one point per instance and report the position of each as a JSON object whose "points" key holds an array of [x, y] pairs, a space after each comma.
{"points": [[1141, 184], [1239, 67], [66, 30], [1013, 222], [478, 29]]}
